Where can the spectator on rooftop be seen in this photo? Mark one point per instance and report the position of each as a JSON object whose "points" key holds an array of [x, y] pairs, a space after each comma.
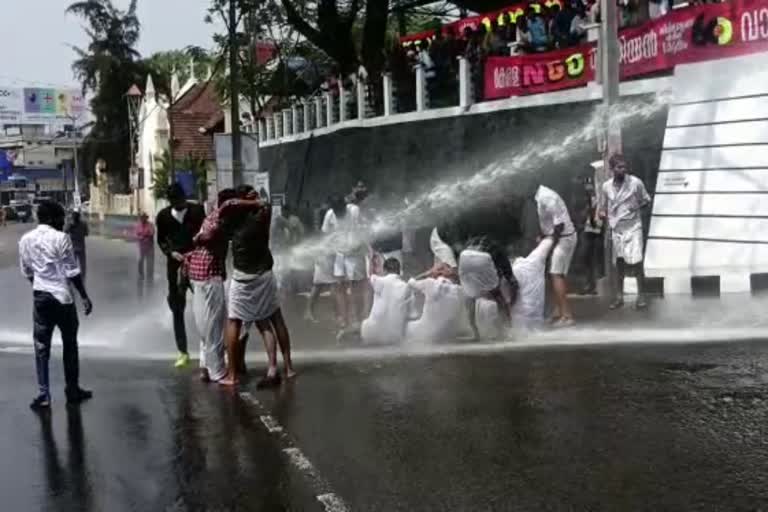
{"points": [[475, 56], [561, 25], [537, 28], [579, 26]]}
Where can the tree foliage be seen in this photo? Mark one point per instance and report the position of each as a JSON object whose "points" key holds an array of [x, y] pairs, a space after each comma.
{"points": [[291, 71], [162, 176], [107, 67]]}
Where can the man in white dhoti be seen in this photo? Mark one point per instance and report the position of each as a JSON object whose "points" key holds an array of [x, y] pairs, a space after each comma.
{"points": [[391, 304], [622, 199], [442, 313], [555, 221]]}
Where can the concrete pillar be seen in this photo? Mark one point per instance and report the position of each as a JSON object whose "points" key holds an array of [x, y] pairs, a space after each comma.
{"points": [[287, 128], [421, 89], [593, 36], [306, 124], [270, 121], [387, 84], [360, 99], [342, 103], [329, 109], [277, 117], [465, 84], [262, 129], [295, 120], [318, 112]]}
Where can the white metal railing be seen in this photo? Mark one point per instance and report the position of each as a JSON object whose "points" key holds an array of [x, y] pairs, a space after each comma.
{"points": [[319, 111]]}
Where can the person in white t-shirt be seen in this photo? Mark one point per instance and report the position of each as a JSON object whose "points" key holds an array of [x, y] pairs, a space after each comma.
{"points": [[391, 304], [443, 309], [342, 222], [554, 220]]}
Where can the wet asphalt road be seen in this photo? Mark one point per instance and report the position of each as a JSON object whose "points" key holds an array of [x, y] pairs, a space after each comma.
{"points": [[629, 427], [623, 428]]}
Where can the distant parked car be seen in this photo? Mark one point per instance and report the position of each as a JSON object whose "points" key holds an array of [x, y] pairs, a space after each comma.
{"points": [[22, 211]]}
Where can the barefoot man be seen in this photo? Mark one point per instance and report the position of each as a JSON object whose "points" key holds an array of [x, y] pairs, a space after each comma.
{"points": [[253, 296]]}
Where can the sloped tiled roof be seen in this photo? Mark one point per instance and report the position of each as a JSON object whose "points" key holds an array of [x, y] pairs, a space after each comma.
{"points": [[194, 110]]}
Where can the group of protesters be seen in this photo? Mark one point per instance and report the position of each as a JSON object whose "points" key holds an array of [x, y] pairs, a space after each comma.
{"points": [[471, 268], [196, 247], [381, 298]]}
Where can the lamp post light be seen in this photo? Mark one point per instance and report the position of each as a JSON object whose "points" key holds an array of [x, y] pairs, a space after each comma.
{"points": [[134, 98]]}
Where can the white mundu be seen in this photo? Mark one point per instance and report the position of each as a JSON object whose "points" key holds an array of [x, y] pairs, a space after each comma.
{"points": [[443, 311], [530, 273], [391, 303], [622, 204]]}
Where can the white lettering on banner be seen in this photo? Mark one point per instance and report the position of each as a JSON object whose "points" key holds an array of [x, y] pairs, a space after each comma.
{"points": [[754, 25], [673, 37], [505, 77], [639, 48]]}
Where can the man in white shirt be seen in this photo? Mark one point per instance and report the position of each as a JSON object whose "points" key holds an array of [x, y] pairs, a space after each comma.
{"points": [[342, 222], [391, 303], [623, 198], [48, 261], [555, 221], [442, 313]]}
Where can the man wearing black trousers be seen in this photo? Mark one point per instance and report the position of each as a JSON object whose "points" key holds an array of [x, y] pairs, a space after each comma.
{"points": [[177, 226], [48, 261]]}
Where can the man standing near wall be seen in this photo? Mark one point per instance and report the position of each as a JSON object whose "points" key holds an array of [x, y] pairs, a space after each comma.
{"points": [[177, 225], [623, 198], [555, 221]]}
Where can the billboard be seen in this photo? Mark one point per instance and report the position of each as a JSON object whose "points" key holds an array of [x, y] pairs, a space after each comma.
{"points": [[31, 105]]}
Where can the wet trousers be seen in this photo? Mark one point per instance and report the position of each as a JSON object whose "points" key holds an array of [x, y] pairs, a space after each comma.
{"points": [[49, 313]]}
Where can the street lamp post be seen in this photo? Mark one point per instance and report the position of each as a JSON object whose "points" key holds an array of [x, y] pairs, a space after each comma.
{"points": [[133, 98]]}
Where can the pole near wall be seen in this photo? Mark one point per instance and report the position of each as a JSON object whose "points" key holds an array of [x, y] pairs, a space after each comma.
{"points": [[610, 56], [234, 95]]}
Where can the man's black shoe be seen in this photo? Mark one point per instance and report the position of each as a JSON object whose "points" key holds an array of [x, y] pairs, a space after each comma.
{"points": [[41, 403], [78, 395]]}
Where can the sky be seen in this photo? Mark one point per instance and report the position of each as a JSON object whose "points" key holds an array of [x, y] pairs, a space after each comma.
{"points": [[37, 36]]}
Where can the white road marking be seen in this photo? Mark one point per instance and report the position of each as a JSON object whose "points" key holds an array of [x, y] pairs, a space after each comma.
{"points": [[331, 501], [271, 424]]}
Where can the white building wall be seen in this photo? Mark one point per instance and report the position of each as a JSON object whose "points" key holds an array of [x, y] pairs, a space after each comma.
{"points": [[710, 213]]}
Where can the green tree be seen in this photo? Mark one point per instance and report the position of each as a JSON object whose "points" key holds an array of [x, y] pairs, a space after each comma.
{"points": [[107, 67], [161, 174]]}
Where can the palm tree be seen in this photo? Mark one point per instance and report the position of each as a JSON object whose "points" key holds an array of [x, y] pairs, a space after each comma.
{"points": [[107, 67]]}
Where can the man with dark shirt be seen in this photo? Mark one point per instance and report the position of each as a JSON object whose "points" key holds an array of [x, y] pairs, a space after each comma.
{"points": [[253, 292], [177, 226], [78, 231]]}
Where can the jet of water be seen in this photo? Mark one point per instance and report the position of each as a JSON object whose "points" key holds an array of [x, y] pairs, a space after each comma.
{"points": [[454, 196]]}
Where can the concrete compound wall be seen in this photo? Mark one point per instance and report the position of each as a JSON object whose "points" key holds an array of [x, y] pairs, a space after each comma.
{"points": [[396, 160]]}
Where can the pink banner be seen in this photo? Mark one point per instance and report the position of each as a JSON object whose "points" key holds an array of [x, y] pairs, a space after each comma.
{"points": [[695, 34]]}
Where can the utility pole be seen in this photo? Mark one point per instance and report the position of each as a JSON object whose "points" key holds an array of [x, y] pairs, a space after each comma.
{"points": [[610, 56], [234, 95]]}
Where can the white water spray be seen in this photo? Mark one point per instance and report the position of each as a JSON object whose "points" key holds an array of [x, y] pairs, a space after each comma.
{"points": [[457, 195]]}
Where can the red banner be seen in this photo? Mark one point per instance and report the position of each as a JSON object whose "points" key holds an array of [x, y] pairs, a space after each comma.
{"points": [[695, 34]]}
